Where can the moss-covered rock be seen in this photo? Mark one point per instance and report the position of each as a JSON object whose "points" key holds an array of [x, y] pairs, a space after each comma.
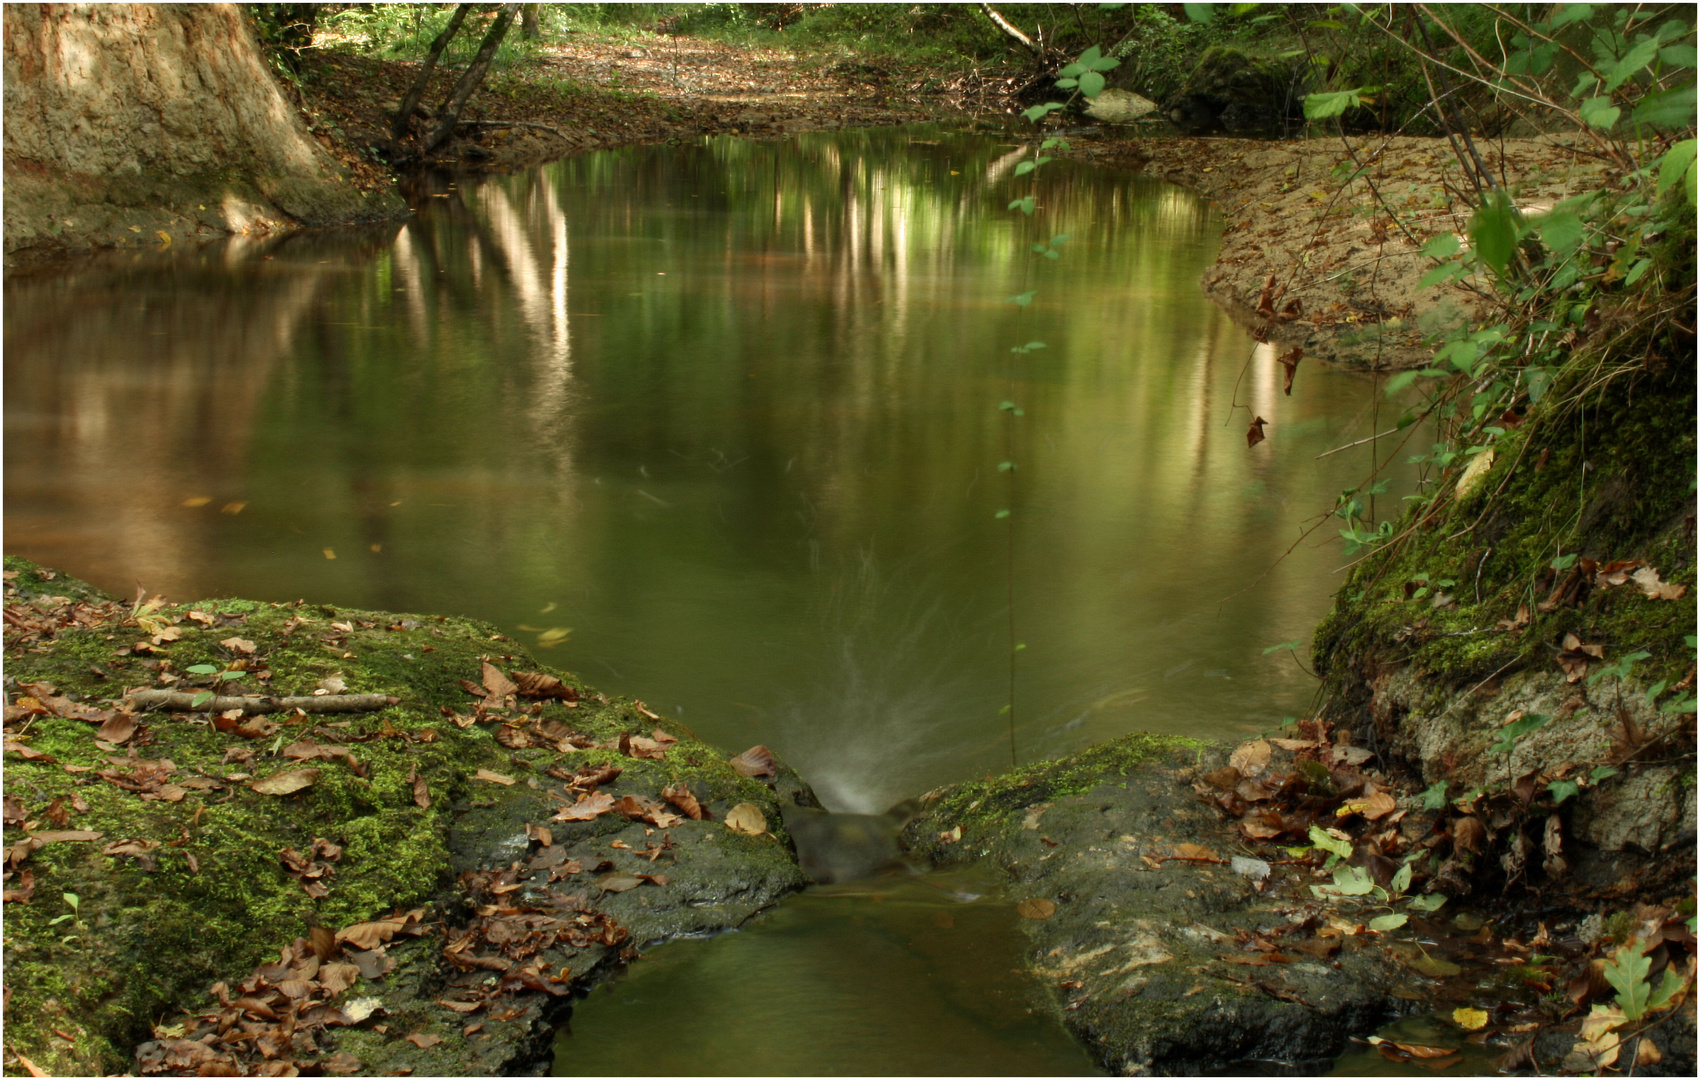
{"points": [[1144, 950], [1481, 614], [177, 865]]}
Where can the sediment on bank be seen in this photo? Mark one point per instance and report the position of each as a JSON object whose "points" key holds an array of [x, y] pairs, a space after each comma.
{"points": [[418, 885], [1340, 260]]}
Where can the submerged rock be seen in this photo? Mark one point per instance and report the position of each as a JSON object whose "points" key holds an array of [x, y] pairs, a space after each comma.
{"points": [[1163, 959]]}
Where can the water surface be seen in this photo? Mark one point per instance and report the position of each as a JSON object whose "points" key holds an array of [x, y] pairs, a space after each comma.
{"points": [[728, 412]]}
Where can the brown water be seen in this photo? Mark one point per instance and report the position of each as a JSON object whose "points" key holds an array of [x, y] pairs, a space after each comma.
{"points": [[728, 413]]}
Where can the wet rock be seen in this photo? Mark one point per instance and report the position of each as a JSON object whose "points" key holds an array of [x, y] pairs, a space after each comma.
{"points": [[1148, 955], [1120, 107]]}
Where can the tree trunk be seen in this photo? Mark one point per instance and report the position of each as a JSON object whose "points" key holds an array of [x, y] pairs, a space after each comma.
{"points": [[404, 115], [530, 27], [470, 78]]}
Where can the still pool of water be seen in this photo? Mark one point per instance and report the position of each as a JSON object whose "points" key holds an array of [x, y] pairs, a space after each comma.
{"points": [[728, 412], [719, 426], [905, 975]]}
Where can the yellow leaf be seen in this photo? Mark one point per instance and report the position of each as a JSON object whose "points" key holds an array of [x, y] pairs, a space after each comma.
{"points": [[1470, 1019], [746, 818]]}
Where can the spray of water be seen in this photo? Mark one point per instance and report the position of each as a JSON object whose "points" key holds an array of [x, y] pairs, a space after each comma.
{"points": [[885, 717]]}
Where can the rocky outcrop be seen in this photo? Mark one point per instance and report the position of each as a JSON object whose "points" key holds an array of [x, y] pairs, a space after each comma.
{"points": [[129, 124]]}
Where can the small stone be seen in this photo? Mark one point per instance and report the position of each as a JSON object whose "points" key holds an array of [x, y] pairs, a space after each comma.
{"points": [[1256, 869]]}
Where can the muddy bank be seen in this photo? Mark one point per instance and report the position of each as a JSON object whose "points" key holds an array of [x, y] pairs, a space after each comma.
{"points": [[421, 883], [1346, 252]]}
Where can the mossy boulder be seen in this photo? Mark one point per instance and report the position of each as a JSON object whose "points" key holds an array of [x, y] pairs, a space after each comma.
{"points": [[182, 873], [1141, 939]]}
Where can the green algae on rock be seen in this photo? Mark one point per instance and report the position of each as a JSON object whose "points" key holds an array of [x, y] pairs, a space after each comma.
{"points": [[178, 874], [1142, 948]]}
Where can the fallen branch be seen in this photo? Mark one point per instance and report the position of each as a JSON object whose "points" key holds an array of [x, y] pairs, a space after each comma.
{"points": [[510, 123], [253, 705]]}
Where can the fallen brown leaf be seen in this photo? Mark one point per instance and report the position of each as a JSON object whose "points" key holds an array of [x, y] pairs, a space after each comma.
{"points": [[424, 1041], [287, 782], [757, 761], [492, 777], [1036, 908]]}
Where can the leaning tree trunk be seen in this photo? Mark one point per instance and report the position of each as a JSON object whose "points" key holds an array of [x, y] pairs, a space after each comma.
{"points": [[449, 115], [404, 115]]}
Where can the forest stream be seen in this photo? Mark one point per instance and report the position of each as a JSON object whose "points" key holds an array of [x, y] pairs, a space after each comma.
{"points": [[718, 425]]}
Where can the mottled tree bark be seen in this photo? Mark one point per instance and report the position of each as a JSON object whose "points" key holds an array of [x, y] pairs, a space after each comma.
{"points": [[405, 114], [470, 78]]}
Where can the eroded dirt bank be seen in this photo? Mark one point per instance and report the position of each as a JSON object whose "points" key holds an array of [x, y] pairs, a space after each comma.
{"points": [[1331, 245]]}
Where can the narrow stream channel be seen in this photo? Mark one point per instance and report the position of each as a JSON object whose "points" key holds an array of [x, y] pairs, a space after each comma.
{"points": [[717, 426]]}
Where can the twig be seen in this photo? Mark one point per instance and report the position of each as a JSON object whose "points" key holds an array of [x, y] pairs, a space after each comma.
{"points": [[1360, 442], [177, 701], [509, 123]]}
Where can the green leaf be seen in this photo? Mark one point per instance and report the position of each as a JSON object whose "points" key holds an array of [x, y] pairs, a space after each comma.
{"points": [[1538, 380], [1400, 381], [1442, 246], [1447, 271], [1001, 514], [1675, 166], [1039, 112], [1327, 24], [1679, 55], [1293, 645], [1384, 923], [1510, 733], [1092, 84], [1427, 902], [1006, 466], [1435, 796], [201, 669], [1025, 204], [1600, 113], [1321, 839], [1200, 13], [1562, 790], [1627, 971], [1560, 231], [1325, 105], [1353, 881], [1669, 986], [1673, 108], [1565, 14], [1493, 230], [1401, 880], [1603, 772], [1023, 169], [201, 699], [1022, 299], [1633, 62]]}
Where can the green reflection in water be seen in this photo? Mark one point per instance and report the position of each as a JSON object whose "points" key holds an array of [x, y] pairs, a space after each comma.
{"points": [[895, 976], [727, 411]]}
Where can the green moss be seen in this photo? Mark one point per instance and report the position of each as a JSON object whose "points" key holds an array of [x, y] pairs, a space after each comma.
{"points": [[1610, 478], [214, 899], [981, 807]]}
